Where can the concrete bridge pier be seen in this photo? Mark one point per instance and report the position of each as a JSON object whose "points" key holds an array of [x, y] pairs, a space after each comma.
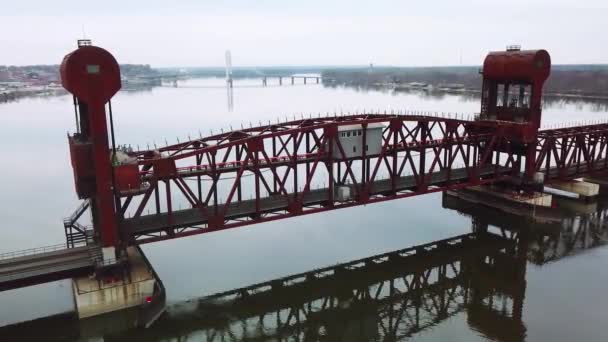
{"points": [[601, 181], [264, 81], [581, 189], [280, 80], [135, 298], [536, 206], [318, 80], [575, 206], [305, 80], [292, 80]]}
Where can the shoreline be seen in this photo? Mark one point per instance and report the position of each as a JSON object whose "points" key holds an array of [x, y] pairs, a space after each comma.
{"points": [[17, 94], [404, 88], [14, 95]]}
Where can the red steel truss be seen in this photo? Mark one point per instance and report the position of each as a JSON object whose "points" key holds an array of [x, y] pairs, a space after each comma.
{"points": [[568, 153], [282, 170]]}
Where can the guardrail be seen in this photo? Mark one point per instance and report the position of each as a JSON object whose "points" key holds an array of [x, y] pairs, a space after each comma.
{"points": [[84, 205], [32, 251]]}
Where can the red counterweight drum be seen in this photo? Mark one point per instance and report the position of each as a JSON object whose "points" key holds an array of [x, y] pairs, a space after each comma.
{"points": [[91, 74], [526, 66]]}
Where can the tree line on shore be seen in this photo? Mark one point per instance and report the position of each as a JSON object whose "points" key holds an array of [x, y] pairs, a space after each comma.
{"points": [[589, 80]]}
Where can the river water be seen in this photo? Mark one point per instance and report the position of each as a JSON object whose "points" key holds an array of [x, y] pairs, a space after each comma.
{"points": [[564, 299]]}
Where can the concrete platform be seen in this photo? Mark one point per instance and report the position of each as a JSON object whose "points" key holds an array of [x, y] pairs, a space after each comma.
{"points": [[575, 206], [536, 208], [602, 181], [93, 297], [582, 189], [534, 199]]}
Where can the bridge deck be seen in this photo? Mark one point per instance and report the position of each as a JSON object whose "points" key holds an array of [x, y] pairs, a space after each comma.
{"points": [[189, 217], [44, 267], [574, 171]]}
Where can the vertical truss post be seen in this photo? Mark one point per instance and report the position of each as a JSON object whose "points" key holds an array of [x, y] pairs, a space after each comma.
{"points": [[424, 131]]}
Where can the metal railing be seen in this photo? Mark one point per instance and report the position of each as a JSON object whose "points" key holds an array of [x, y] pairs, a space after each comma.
{"points": [[84, 205], [101, 262], [84, 42], [96, 287], [32, 251]]}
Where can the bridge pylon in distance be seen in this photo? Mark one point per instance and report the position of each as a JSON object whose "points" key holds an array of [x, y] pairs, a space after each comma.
{"points": [[92, 75], [229, 82], [512, 91]]}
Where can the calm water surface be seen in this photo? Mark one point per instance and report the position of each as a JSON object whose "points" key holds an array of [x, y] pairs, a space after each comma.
{"points": [[564, 300]]}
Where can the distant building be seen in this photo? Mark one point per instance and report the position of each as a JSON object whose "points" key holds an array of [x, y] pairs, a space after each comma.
{"points": [[5, 76], [451, 86], [33, 75], [418, 84]]}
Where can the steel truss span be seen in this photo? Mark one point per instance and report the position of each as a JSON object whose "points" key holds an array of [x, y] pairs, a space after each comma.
{"points": [[307, 166], [312, 165], [572, 152]]}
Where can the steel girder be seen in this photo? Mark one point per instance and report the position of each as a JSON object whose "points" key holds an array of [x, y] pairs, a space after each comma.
{"points": [[287, 169], [568, 153]]}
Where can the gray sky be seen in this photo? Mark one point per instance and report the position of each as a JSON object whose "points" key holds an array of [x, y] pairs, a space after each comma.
{"points": [[319, 32]]}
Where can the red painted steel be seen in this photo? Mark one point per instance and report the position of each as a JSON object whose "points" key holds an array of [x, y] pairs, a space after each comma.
{"points": [[289, 160], [92, 75], [127, 177], [215, 162], [567, 153], [529, 66], [309, 165], [81, 153], [512, 91]]}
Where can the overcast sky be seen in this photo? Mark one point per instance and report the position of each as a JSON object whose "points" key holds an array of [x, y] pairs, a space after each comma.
{"points": [[312, 32]]}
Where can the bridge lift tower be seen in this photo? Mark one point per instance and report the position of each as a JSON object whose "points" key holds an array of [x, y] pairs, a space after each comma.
{"points": [[512, 92], [92, 75]]}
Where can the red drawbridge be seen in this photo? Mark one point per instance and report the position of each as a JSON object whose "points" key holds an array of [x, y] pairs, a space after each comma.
{"points": [[285, 169]]}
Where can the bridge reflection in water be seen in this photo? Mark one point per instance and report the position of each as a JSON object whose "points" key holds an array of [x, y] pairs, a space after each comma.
{"points": [[576, 232], [388, 297]]}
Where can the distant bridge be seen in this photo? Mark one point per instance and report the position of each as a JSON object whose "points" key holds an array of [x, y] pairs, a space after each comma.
{"points": [[293, 78], [266, 79]]}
